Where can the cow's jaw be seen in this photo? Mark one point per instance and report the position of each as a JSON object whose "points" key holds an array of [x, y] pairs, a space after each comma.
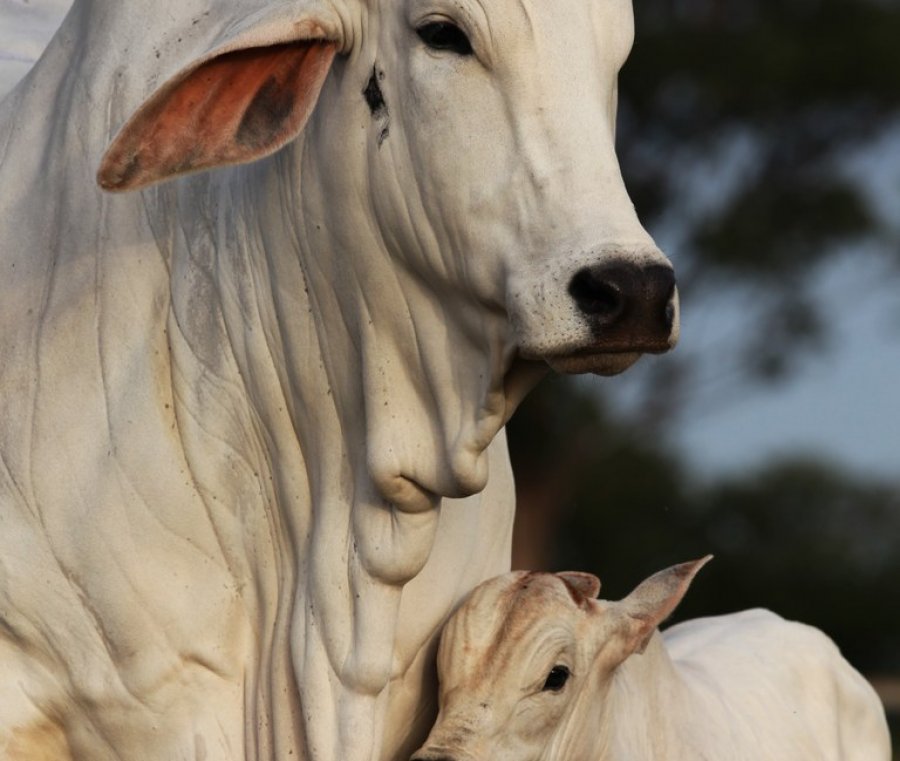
{"points": [[588, 361]]}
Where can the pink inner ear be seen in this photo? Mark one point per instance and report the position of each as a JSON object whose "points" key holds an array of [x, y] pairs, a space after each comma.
{"points": [[232, 109]]}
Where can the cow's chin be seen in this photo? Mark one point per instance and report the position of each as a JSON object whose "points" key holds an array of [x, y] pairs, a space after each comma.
{"points": [[599, 363]]}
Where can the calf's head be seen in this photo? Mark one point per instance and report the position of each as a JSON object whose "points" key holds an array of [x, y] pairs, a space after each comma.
{"points": [[526, 662], [473, 140]]}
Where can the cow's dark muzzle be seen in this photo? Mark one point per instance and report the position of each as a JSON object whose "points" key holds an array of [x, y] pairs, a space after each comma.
{"points": [[629, 308]]}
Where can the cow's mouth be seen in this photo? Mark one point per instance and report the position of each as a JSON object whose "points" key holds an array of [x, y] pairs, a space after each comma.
{"points": [[592, 361]]}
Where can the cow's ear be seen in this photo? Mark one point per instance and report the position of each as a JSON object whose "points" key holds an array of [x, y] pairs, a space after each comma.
{"points": [[654, 600], [583, 585], [229, 108]]}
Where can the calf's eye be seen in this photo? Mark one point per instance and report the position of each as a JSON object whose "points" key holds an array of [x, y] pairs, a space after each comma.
{"points": [[556, 679], [443, 35]]}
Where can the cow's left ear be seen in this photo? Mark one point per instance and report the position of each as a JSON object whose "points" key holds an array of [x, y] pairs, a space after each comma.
{"points": [[654, 600], [235, 105]]}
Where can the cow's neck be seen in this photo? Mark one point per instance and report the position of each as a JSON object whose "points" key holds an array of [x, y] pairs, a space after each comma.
{"points": [[318, 382], [350, 370]]}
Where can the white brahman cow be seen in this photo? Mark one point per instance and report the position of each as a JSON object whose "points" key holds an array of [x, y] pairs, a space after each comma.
{"points": [[532, 668], [243, 414]]}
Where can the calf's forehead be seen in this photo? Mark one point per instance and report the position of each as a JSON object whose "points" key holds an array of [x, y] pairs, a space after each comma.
{"points": [[515, 617]]}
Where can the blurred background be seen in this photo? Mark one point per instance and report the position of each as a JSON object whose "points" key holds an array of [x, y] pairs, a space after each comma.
{"points": [[761, 144]]}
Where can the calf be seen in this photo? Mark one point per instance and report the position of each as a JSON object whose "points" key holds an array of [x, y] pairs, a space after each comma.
{"points": [[532, 667]]}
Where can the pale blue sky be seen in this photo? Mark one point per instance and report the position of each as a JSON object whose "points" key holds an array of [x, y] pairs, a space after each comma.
{"points": [[844, 403]]}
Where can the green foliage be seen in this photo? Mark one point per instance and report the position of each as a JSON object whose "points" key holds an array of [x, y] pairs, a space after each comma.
{"points": [[764, 62], [809, 218]]}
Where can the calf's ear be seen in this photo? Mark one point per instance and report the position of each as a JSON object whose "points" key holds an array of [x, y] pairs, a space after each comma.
{"points": [[585, 586], [654, 600], [235, 105]]}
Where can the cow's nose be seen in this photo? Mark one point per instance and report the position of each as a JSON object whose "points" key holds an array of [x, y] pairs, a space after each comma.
{"points": [[627, 304]]}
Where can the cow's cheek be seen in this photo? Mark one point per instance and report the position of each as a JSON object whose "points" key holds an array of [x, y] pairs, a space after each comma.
{"points": [[461, 178]]}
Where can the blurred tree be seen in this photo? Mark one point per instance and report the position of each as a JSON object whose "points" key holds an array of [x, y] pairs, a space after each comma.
{"points": [[736, 120], [803, 538]]}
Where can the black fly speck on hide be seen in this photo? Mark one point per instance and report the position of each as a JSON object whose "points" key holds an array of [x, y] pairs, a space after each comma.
{"points": [[377, 105]]}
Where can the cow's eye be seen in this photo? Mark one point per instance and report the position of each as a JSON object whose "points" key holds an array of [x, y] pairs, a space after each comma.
{"points": [[443, 35], [556, 679]]}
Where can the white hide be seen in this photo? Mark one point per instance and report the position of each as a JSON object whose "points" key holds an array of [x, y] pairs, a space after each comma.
{"points": [[251, 420], [740, 687]]}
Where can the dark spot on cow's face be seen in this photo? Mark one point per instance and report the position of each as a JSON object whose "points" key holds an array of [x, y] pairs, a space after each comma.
{"points": [[373, 95], [377, 105], [265, 116]]}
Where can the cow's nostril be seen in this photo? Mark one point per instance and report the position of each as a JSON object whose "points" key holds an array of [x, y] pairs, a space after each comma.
{"points": [[628, 306], [598, 294], [670, 310], [661, 290]]}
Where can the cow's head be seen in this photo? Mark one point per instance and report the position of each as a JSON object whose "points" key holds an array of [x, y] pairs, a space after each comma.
{"points": [[480, 135], [525, 664]]}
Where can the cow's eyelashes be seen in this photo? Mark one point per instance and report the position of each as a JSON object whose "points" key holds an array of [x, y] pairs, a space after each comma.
{"points": [[445, 35], [556, 679]]}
